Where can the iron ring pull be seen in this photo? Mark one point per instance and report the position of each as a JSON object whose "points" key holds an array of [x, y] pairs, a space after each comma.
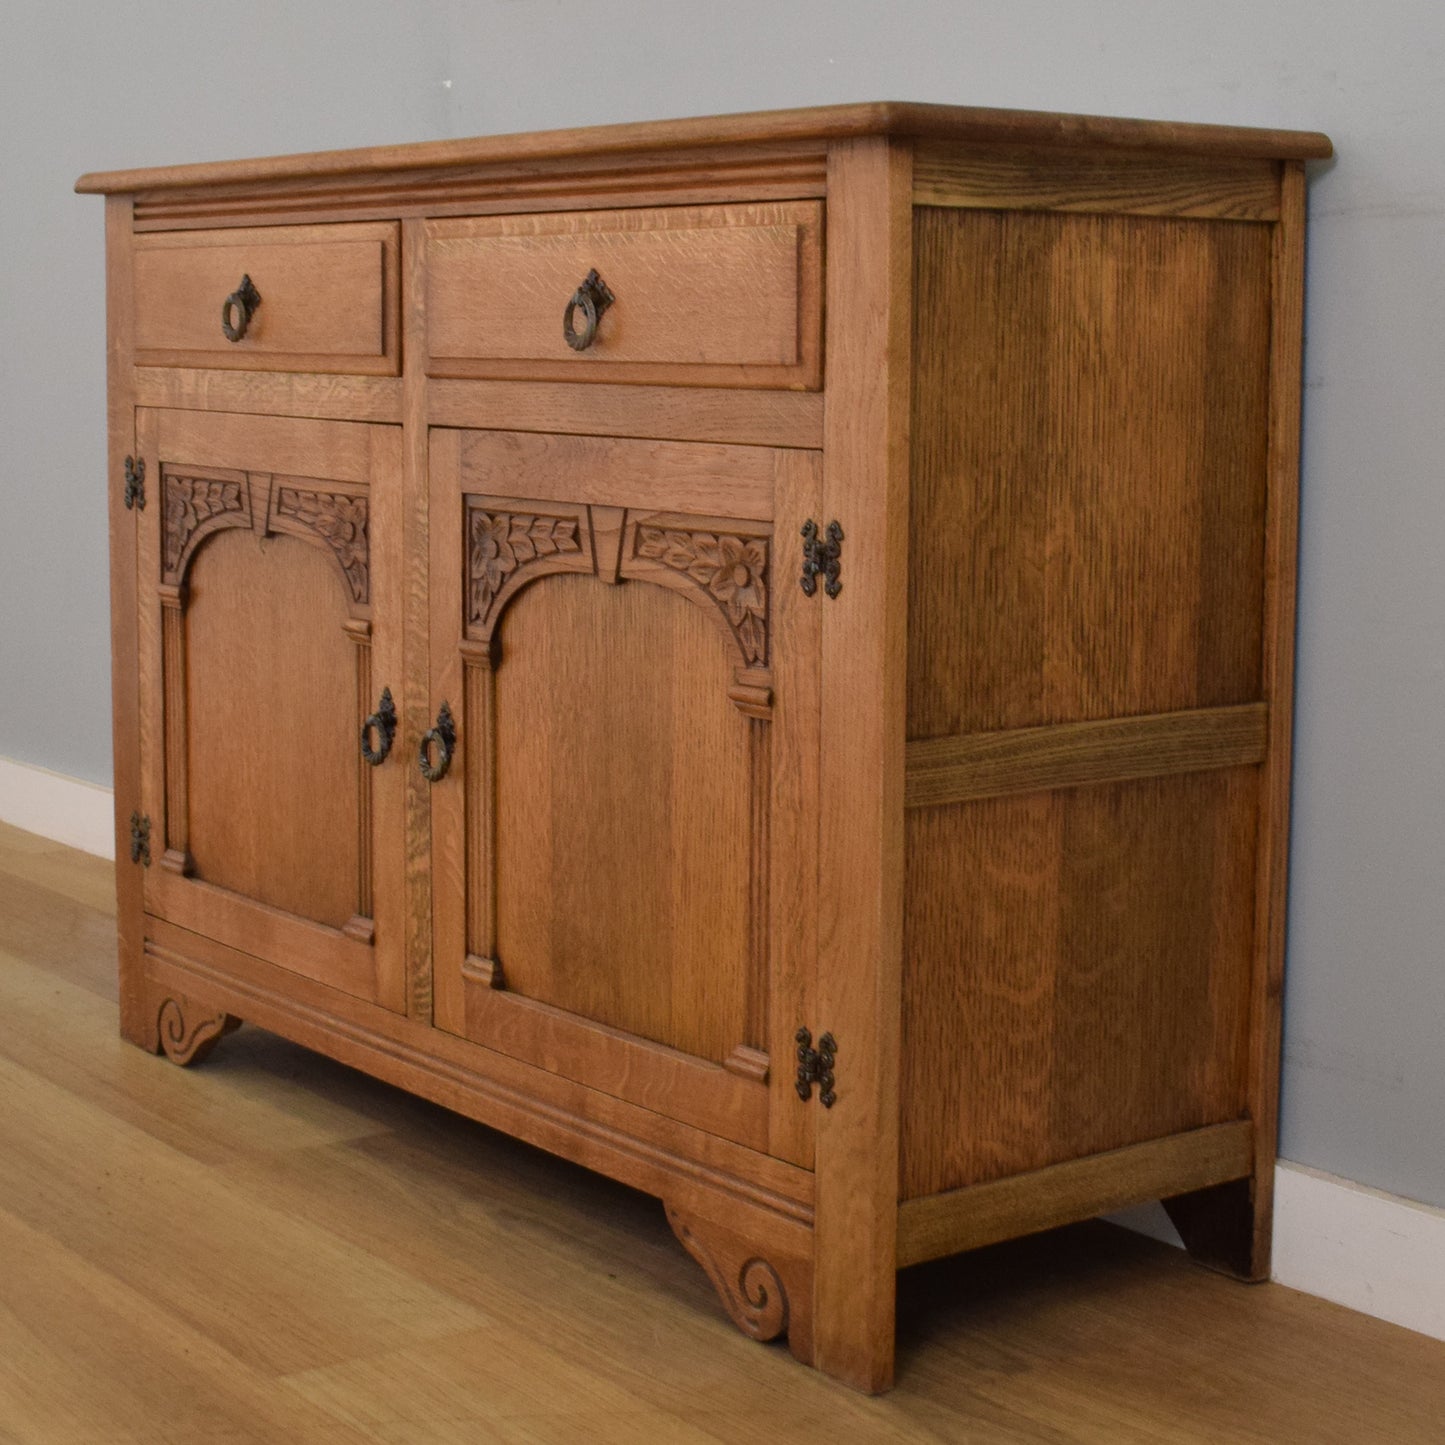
{"points": [[240, 304], [592, 298], [383, 722], [443, 737]]}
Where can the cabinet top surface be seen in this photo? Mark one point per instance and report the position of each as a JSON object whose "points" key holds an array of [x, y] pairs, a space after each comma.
{"points": [[961, 124]]}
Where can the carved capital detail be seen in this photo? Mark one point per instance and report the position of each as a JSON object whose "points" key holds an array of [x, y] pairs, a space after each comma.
{"points": [[502, 544], [338, 520], [189, 1031], [765, 1299], [731, 568], [190, 504]]}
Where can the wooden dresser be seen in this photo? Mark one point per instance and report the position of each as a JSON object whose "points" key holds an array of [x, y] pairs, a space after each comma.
{"points": [[751, 653]]}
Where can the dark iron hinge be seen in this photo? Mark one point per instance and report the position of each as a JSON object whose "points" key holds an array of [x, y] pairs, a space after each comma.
{"points": [[135, 483], [815, 1066], [140, 839], [823, 556]]}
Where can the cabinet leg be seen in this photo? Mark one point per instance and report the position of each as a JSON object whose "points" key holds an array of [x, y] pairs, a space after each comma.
{"points": [[188, 1030], [766, 1294], [1226, 1227]]}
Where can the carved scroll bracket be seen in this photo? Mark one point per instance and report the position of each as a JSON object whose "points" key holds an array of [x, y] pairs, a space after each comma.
{"points": [[189, 1030], [765, 1297]]}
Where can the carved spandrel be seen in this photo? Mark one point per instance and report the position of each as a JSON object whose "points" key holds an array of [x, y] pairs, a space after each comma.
{"points": [[195, 506], [730, 568], [502, 544], [337, 519]]}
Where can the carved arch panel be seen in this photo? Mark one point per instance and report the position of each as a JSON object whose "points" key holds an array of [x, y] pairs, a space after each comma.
{"points": [[721, 564], [635, 686]]}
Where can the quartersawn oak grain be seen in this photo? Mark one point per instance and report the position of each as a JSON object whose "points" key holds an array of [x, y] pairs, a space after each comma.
{"points": [[1006, 815], [959, 124]]}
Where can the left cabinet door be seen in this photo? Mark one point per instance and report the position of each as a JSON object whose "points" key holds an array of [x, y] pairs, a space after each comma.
{"points": [[269, 591]]}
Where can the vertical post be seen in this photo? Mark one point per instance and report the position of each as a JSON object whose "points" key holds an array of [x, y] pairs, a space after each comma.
{"points": [[415, 700], [1281, 561], [136, 1023], [865, 488], [1229, 1227]]}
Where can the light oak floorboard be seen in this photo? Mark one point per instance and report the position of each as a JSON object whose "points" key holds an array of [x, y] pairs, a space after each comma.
{"points": [[271, 1247]]}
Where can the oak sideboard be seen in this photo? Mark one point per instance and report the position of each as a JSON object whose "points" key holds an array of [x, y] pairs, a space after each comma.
{"points": [[752, 653]]}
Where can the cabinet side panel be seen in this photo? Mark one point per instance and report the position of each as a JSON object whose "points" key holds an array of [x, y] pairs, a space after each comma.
{"points": [[1076, 971], [1090, 410]]}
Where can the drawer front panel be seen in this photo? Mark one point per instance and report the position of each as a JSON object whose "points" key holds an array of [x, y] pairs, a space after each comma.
{"points": [[715, 295], [328, 298]]}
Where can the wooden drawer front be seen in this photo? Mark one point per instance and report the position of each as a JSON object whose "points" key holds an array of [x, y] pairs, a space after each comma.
{"points": [[328, 298], [715, 295]]}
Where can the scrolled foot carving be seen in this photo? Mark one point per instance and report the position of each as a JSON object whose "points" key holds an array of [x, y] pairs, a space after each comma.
{"points": [[764, 1299], [189, 1031]]}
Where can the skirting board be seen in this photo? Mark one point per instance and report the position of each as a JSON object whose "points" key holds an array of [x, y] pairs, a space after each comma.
{"points": [[1372, 1252], [66, 810]]}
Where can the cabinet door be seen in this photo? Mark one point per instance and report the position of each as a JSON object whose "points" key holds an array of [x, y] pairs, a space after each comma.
{"points": [[624, 843], [269, 632]]}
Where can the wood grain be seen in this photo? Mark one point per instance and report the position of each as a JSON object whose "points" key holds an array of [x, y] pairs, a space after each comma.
{"points": [[1230, 1228], [121, 442], [721, 294], [940, 1224], [161, 1229], [861, 769], [264, 583], [415, 618], [1070, 559], [278, 393], [1076, 973], [328, 298], [1096, 182], [624, 900], [665, 413], [711, 173], [878, 118], [1071, 755], [706, 480]]}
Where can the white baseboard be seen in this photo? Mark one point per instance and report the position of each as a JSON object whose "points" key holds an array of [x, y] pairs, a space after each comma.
{"points": [[67, 810], [1375, 1252], [1370, 1251]]}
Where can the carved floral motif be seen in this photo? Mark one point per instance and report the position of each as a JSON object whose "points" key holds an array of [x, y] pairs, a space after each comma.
{"points": [[732, 569], [500, 543], [341, 522], [190, 501]]}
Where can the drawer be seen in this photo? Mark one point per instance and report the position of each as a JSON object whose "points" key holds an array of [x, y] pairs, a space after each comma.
{"points": [[328, 298], [700, 295]]}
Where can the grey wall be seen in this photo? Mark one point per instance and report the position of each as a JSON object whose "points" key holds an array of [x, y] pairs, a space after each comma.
{"points": [[96, 86]]}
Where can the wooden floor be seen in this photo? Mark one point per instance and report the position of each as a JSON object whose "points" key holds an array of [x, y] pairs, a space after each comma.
{"points": [[271, 1248]]}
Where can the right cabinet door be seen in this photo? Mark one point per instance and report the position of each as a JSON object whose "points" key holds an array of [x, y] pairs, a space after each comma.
{"points": [[624, 768]]}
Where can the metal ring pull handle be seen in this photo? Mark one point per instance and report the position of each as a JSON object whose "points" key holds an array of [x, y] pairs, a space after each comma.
{"points": [[238, 308], [383, 723], [592, 298], [443, 737]]}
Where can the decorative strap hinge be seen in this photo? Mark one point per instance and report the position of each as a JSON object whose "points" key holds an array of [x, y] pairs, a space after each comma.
{"points": [[815, 1066], [135, 483], [822, 555], [140, 839]]}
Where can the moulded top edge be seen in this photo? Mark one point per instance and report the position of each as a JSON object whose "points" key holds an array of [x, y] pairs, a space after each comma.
{"points": [[820, 123]]}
